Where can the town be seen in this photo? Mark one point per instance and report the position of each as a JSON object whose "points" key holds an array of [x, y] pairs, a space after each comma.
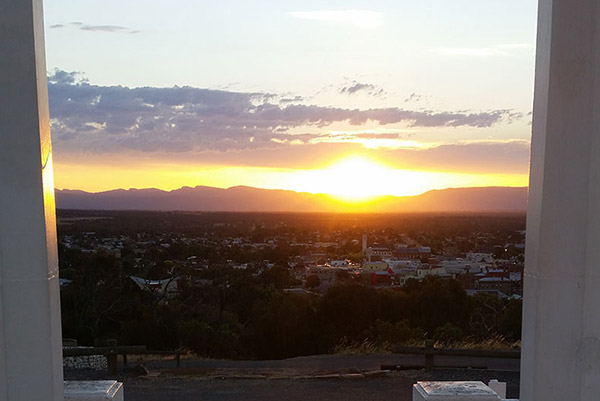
{"points": [[217, 266], [482, 263]]}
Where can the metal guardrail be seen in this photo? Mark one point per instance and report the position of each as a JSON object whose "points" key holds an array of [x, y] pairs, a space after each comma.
{"points": [[429, 351], [120, 350], [111, 354]]}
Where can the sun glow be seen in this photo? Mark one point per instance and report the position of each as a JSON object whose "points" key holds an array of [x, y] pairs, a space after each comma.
{"points": [[359, 180], [351, 179]]}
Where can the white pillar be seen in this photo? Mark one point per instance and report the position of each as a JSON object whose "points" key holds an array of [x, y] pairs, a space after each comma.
{"points": [[30, 332], [561, 321]]}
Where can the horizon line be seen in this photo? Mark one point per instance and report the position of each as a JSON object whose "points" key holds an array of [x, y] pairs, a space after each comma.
{"points": [[281, 189]]}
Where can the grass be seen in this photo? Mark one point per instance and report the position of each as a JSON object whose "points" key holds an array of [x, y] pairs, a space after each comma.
{"points": [[365, 347], [496, 343]]}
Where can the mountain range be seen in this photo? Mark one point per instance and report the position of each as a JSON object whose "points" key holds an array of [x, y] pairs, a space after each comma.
{"points": [[248, 199]]}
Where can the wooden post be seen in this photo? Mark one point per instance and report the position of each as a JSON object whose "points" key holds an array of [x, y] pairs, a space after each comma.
{"points": [[111, 358], [429, 349], [111, 362]]}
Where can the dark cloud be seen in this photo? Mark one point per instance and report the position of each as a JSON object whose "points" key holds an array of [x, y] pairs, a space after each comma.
{"points": [[183, 119], [107, 28], [294, 99], [356, 87], [413, 98], [429, 118], [96, 28]]}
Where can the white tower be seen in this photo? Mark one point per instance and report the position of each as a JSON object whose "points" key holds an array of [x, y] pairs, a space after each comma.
{"points": [[30, 333]]}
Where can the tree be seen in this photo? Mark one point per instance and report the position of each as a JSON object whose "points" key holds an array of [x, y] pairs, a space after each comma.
{"points": [[342, 275], [312, 282], [278, 276], [284, 325], [436, 301], [349, 310]]}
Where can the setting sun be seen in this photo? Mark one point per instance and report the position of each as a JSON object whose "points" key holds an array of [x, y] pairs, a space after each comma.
{"points": [[359, 179], [354, 179]]}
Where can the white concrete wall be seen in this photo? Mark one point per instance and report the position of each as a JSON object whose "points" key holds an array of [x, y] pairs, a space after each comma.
{"points": [[561, 322], [101, 390], [30, 332]]}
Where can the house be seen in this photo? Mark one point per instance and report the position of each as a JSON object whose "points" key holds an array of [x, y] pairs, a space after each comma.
{"points": [[374, 266], [378, 252], [422, 253], [432, 270], [381, 277], [338, 263], [167, 287], [502, 284]]}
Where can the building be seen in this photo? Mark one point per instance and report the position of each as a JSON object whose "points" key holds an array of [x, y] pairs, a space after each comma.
{"points": [[501, 284]]}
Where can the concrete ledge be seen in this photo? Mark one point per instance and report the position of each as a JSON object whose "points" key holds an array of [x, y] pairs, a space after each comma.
{"points": [[453, 391], [93, 390]]}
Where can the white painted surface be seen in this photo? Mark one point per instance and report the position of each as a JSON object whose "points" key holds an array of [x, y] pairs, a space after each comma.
{"points": [[453, 391], [30, 333], [93, 390], [561, 316]]}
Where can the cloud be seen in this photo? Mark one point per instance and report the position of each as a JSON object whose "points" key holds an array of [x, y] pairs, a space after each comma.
{"points": [[104, 119], [413, 98], [356, 87], [107, 28], [499, 157], [355, 17], [96, 28], [489, 157], [293, 99], [59, 77]]}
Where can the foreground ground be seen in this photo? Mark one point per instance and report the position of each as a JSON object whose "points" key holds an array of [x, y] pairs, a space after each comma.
{"points": [[324, 377]]}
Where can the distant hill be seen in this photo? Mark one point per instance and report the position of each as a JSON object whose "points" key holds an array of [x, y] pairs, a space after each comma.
{"points": [[247, 199]]}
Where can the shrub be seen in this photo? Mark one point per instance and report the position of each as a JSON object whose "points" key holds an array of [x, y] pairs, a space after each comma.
{"points": [[448, 334]]}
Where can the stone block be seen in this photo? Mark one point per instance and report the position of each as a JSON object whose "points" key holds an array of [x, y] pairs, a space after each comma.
{"points": [[453, 391], [498, 387], [100, 390]]}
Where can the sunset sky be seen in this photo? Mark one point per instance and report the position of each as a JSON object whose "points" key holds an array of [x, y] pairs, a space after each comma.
{"points": [[355, 98]]}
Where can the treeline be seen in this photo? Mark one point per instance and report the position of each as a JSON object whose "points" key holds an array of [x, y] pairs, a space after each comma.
{"points": [[428, 229], [226, 313]]}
